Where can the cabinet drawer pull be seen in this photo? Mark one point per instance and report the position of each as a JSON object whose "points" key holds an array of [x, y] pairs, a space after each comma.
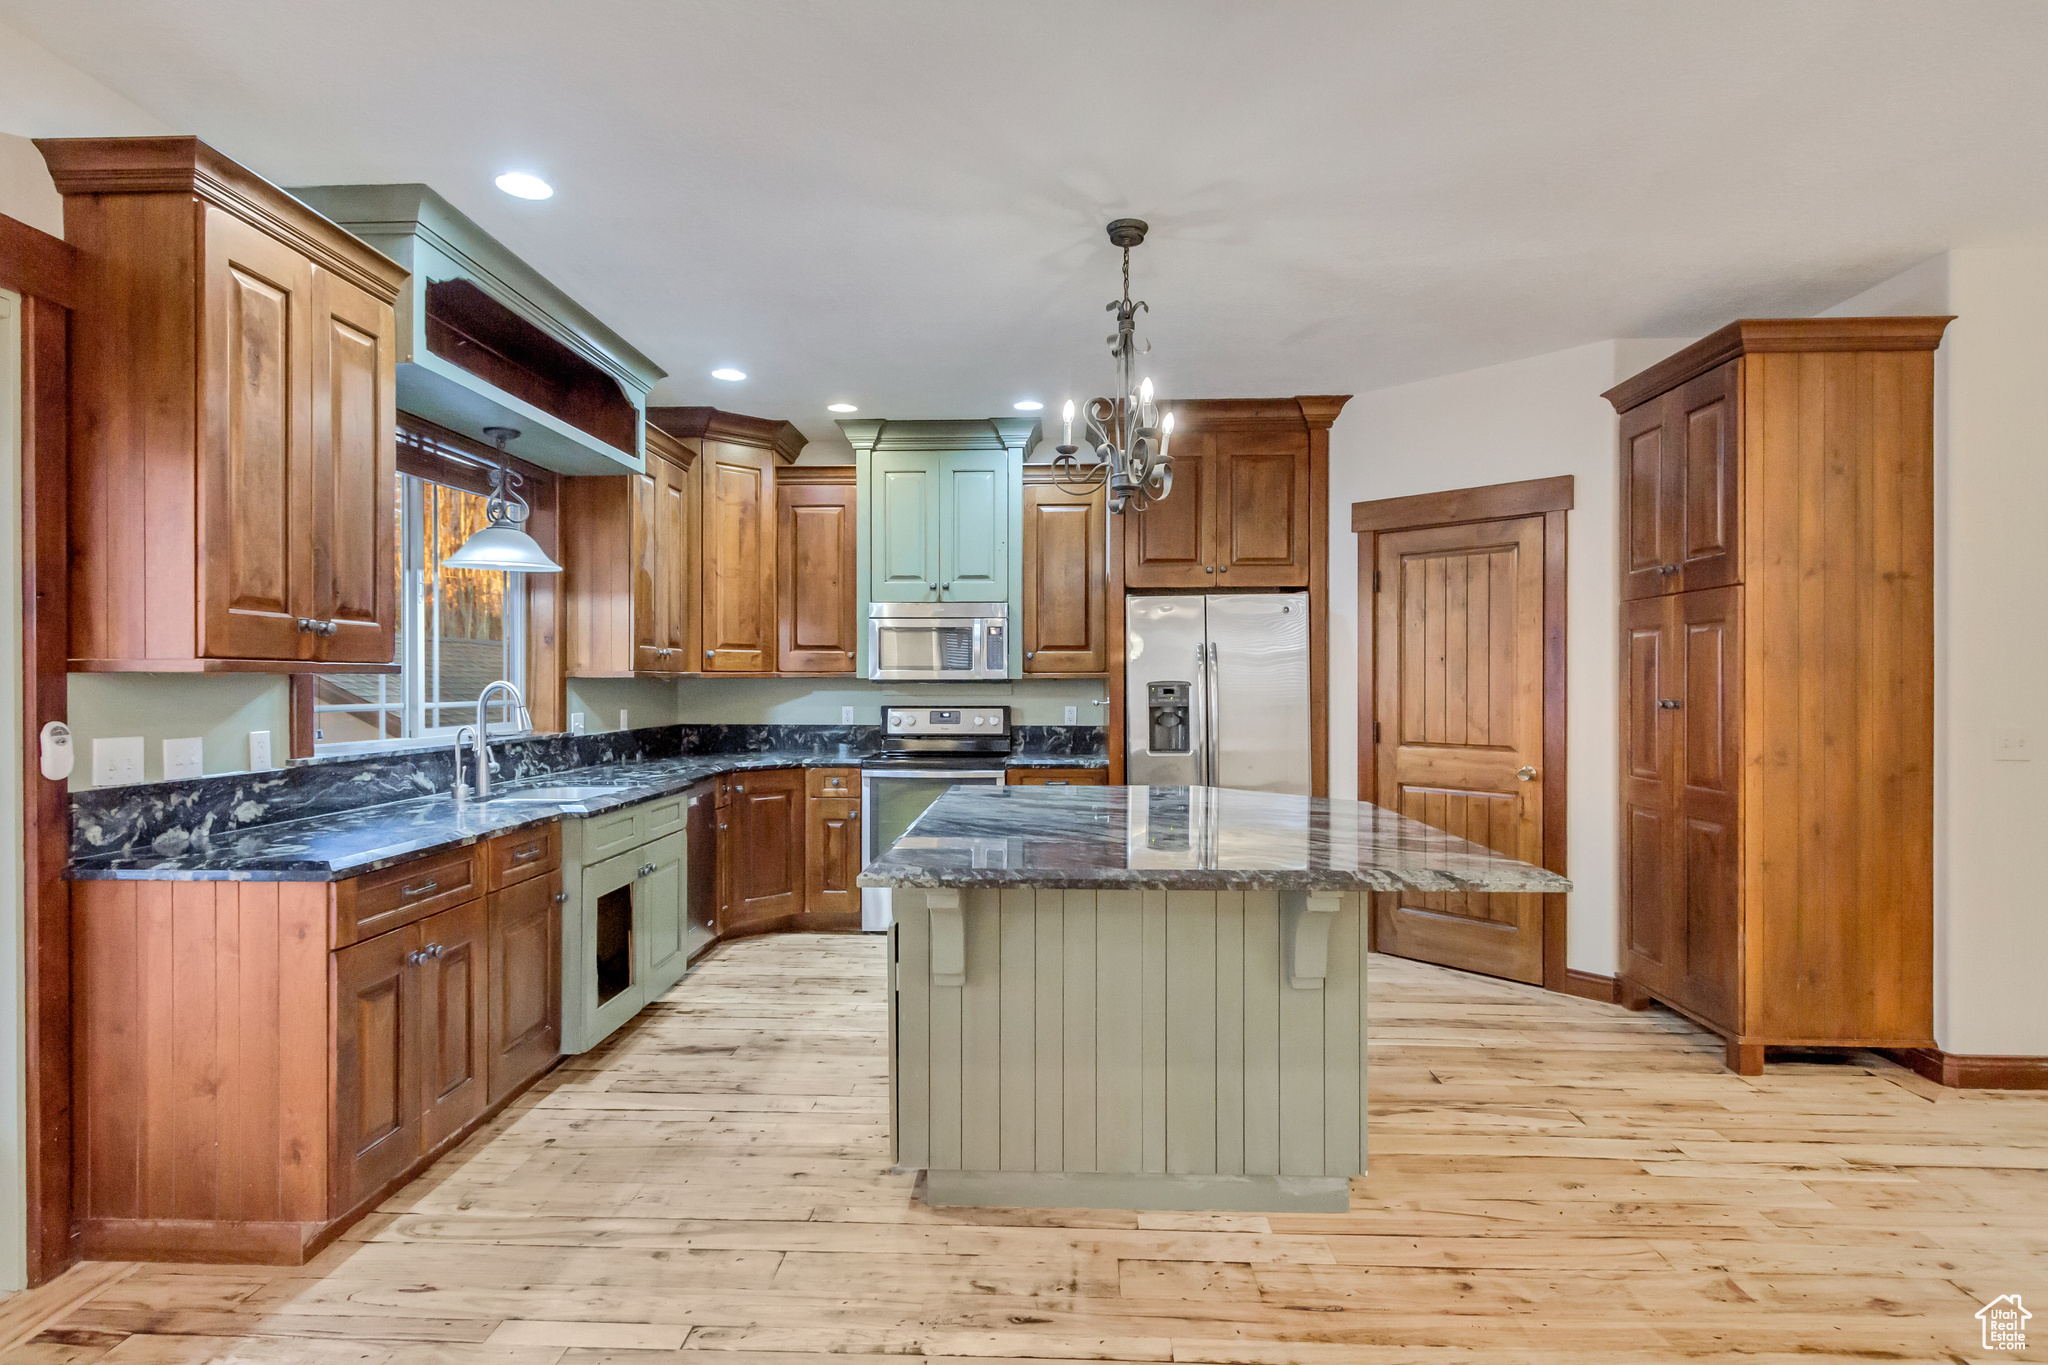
{"points": [[854, 814], [1668, 704], [434, 951], [529, 853], [1055, 782], [422, 889]]}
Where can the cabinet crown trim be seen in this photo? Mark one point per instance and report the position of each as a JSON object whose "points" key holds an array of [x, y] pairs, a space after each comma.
{"points": [[764, 433], [1754, 336], [174, 165]]}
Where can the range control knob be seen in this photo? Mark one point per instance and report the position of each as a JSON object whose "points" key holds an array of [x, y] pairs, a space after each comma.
{"points": [[902, 720], [978, 720]]}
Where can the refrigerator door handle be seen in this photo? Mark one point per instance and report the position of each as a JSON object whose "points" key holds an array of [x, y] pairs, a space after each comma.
{"points": [[1215, 701], [1198, 718]]}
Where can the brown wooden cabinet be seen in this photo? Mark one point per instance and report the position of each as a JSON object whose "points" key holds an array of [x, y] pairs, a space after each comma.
{"points": [[1240, 514], [371, 1024], [1777, 703], [1057, 777], [629, 567], [831, 862], [816, 569], [233, 388], [761, 850], [1066, 577]]}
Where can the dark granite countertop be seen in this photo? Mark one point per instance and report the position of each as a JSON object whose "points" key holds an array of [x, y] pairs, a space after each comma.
{"points": [[347, 843], [1186, 838]]}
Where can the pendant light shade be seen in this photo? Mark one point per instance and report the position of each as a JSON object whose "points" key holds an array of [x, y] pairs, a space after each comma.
{"points": [[502, 545]]}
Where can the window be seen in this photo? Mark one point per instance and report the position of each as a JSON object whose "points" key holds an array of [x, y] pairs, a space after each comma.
{"points": [[458, 631]]}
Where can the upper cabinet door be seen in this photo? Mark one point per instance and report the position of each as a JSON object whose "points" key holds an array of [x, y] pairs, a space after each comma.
{"points": [[650, 588], [672, 549], [1171, 544], [1649, 512], [974, 527], [904, 527], [1065, 580], [256, 523], [816, 549], [355, 473], [738, 614], [1702, 432], [1262, 525]]}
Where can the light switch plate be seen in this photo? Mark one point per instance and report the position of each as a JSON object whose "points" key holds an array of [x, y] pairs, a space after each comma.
{"points": [[259, 751], [575, 722], [184, 759], [622, 719], [117, 762], [2012, 746], [1073, 715], [846, 715]]}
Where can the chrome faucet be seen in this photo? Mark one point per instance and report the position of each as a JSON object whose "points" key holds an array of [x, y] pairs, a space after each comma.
{"points": [[522, 722]]}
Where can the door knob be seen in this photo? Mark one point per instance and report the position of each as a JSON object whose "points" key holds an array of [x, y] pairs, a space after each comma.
{"points": [[1525, 774]]}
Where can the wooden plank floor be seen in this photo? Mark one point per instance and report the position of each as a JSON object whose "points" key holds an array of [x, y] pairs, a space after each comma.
{"points": [[1552, 1181]]}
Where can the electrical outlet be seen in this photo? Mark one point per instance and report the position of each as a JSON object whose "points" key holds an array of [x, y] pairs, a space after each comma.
{"points": [[184, 759], [259, 751], [1073, 715], [846, 715], [622, 719], [117, 762], [575, 722], [2012, 746]]}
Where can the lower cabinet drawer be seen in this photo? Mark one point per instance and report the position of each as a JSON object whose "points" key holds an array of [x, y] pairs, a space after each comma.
{"points": [[604, 835], [378, 902], [1057, 777], [513, 858]]}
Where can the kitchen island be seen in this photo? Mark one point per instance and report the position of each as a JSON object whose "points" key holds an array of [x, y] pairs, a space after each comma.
{"points": [[1145, 997]]}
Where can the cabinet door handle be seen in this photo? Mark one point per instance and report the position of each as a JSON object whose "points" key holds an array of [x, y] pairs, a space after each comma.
{"points": [[422, 889], [707, 654], [739, 786], [1667, 568], [855, 815], [646, 871], [306, 625], [1668, 704], [330, 628], [561, 898], [1225, 568], [1208, 568]]}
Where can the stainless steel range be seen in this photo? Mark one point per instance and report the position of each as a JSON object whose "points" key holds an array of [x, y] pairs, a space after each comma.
{"points": [[925, 749]]}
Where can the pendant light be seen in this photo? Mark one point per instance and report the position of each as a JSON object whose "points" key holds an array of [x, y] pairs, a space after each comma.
{"points": [[502, 544]]}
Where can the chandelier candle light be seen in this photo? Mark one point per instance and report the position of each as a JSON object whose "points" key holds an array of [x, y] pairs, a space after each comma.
{"points": [[1127, 435]]}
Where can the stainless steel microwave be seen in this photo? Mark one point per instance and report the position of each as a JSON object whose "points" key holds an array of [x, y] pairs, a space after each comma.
{"points": [[938, 641]]}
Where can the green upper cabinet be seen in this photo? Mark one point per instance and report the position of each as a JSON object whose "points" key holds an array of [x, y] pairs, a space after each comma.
{"points": [[975, 526], [904, 534]]}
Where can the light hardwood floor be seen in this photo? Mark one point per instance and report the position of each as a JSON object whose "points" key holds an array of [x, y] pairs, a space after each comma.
{"points": [[1552, 1181]]}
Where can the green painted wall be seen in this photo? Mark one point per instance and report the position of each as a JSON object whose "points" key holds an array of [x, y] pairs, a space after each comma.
{"points": [[802, 701], [220, 708], [647, 701]]}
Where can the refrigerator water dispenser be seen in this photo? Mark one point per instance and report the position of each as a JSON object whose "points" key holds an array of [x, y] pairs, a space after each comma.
{"points": [[1167, 705]]}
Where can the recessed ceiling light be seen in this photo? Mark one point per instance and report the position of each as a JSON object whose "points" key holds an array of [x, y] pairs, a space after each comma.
{"points": [[525, 186], [841, 407], [1027, 405], [729, 374]]}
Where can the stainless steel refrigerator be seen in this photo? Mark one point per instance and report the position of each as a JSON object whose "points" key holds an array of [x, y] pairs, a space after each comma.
{"points": [[1216, 691]]}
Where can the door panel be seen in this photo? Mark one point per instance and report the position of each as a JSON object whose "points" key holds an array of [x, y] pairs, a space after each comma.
{"points": [[376, 1064], [455, 1013], [257, 527], [1458, 650], [1258, 673], [611, 985], [903, 548], [738, 618], [1169, 544], [1653, 945], [974, 528], [1649, 516], [1709, 719], [832, 856], [525, 981], [659, 934], [767, 815], [671, 562], [650, 586], [816, 550], [354, 473], [1066, 596], [1262, 519], [1706, 474]]}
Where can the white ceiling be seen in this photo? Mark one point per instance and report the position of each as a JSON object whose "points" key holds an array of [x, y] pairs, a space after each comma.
{"points": [[901, 204]]}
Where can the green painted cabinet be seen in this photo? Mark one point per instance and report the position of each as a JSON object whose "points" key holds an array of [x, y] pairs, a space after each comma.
{"points": [[975, 526], [904, 532]]}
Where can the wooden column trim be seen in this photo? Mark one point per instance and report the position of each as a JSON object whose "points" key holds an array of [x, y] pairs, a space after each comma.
{"points": [[1319, 411]]}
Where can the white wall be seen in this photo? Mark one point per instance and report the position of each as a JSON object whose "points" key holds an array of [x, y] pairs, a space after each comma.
{"points": [[1991, 636], [1529, 419]]}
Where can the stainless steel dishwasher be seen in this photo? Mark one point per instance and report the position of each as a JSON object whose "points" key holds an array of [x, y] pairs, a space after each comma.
{"points": [[700, 899]]}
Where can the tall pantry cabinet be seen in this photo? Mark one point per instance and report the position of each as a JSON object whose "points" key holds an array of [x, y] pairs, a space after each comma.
{"points": [[1777, 691]]}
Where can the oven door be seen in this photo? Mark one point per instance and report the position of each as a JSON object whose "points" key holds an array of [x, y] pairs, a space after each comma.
{"points": [[890, 798], [939, 649]]}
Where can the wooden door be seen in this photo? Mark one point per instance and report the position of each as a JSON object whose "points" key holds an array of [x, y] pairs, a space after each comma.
{"points": [[767, 819], [1171, 544], [1066, 577], [672, 550], [376, 1064], [903, 532], [1649, 512], [355, 473], [455, 1020], [1709, 716], [1652, 942], [974, 527], [738, 613], [1459, 663], [1261, 512], [659, 928], [256, 523], [832, 857], [525, 982], [1703, 478], [816, 568]]}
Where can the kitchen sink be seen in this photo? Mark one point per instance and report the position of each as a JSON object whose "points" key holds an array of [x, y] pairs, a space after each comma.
{"points": [[558, 795]]}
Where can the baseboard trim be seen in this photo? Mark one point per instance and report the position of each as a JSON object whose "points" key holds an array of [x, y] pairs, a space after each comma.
{"points": [[1591, 986], [1965, 1071], [1118, 1190]]}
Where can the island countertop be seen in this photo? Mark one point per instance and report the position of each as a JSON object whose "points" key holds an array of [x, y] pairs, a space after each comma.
{"points": [[1175, 838]]}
